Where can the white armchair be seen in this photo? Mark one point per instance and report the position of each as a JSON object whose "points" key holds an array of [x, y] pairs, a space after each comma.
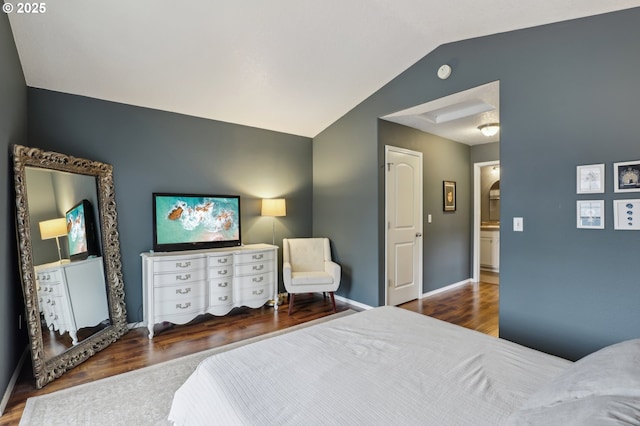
{"points": [[307, 268]]}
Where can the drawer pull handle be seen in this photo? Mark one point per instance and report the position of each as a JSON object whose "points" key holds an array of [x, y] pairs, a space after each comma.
{"points": [[222, 272], [224, 284], [258, 267], [223, 298], [183, 277], [257, 256], [183, 264], [223, 261], [257, 279], [183, 290], [181, 306], [258, 292]]}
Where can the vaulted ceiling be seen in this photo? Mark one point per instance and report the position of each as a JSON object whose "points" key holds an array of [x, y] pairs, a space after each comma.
{"points": [[293, 66]]}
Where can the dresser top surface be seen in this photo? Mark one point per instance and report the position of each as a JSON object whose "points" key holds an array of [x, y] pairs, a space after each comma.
{"points": [[204, 252]]}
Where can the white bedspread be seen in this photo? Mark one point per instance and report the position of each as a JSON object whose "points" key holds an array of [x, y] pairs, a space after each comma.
{"points": [[382, 366]]}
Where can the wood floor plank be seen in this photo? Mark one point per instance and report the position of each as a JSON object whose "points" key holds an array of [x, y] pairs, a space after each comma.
{"points": [[471, 306]]}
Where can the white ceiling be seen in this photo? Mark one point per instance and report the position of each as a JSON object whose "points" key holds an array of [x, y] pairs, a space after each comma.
{"points": [[458, 116], [293, 66]]}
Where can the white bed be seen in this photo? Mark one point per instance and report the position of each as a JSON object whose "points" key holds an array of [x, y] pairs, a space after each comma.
{"points": [[387, 366]]}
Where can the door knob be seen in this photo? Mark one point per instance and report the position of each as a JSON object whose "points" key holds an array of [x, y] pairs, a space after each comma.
{"points": [[418, 234]]}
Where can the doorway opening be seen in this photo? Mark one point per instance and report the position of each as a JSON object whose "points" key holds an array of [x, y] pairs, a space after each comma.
{"points": [[451, 246], [486, 222]]}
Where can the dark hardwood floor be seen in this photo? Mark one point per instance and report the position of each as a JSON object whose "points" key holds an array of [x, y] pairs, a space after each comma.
{"points": [[471, 306]]}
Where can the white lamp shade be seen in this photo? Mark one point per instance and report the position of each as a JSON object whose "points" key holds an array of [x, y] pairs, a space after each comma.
{"points": [[53, 228], [274, 207]]}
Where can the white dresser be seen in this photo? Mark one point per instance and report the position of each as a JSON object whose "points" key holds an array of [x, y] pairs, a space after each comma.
{"points": [[178, 286], [72, 295]]}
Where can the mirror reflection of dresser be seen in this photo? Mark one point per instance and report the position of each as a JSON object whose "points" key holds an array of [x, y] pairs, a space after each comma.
{"points": [[72, 296]]}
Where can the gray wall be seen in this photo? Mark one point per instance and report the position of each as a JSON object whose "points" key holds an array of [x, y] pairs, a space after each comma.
{"points": [[50, 194], [485, 152], [446, 241], [156, 151], [563, 290], [13, 129]]}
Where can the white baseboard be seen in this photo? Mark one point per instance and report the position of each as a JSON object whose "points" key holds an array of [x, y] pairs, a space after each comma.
{"points": [[14, 379], [430, 293], [352, 302], [447, 288]]}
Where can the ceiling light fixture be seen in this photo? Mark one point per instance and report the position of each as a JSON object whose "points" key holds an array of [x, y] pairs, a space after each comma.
{"points": [[490, 129]]}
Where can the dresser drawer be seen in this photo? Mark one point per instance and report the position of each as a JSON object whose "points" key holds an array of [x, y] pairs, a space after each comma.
{"points": [[57, 314], [221, 299], [255, 256], [250, 281], [221, 260], [171, 307], [221, 272], [47, 277], [52, 289], [254, 268], [221, 285], [178, 265], [179, 277], [247, 294], [183, 292]]}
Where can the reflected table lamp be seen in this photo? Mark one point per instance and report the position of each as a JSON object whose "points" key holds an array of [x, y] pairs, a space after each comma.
{"points": [[54, 228]]}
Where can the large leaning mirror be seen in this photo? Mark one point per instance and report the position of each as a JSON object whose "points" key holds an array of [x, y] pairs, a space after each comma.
{"points": [[69, 258]]}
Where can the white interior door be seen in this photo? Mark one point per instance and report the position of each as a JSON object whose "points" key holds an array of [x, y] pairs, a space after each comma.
{"points": [[403, 214]]}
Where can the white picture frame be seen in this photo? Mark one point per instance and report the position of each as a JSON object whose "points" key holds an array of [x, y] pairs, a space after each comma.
{"points": [[626, 176], [590, 179], [590, 214], [626, 215]]}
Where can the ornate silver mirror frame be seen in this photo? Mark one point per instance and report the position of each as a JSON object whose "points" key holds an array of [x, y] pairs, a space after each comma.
{"points": [[47, 369]]}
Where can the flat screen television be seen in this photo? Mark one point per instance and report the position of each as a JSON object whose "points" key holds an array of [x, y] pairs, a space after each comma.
{"points": [[195, 221], [81, 231]]}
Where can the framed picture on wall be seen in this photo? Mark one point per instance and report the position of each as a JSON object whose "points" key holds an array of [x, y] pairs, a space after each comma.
{"points": [[627, 176], [590, 179], [449, 193], [590, 214], [626, 215]]}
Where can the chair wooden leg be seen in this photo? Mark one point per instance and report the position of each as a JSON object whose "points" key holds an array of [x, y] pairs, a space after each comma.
{"points": [[333, 302], [292, 296]]}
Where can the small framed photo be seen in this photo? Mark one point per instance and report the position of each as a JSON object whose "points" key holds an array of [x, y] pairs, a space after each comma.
{"points": [[449, 193], [626, 215], [590, 214], [590, 179], [626, 176]]}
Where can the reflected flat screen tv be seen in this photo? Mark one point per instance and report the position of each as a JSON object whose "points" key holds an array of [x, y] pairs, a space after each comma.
{"points": [[81, 231], [195, 221]]}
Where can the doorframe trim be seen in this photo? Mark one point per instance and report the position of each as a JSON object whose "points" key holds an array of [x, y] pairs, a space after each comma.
{"points": [[477, 216], [419, 154]]}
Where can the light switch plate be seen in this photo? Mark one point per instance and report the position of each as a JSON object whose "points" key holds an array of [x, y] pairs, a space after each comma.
{"points": [[518, 224]]}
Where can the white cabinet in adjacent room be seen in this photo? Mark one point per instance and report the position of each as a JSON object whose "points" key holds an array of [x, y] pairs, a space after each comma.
{"points": [[490, 250]]}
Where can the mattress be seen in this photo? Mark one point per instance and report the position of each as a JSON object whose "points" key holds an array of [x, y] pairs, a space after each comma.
{"points": [[386, 365]]}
